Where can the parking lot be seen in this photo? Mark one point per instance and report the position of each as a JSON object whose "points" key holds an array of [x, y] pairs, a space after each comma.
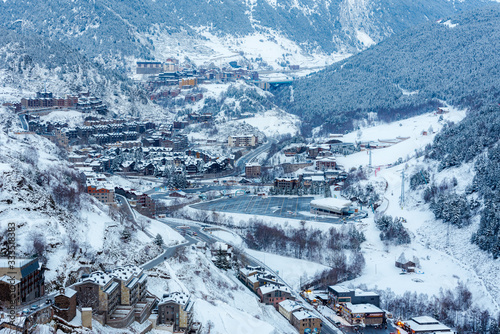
{"points": [[283, 207]]}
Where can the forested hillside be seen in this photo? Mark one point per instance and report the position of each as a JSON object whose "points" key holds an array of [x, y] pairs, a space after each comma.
{"points": [[475, 139], [455, 60], [121, 28]]}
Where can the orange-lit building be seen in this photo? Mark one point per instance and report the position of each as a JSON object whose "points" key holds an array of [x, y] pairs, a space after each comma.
{"points": [[103, 195]]}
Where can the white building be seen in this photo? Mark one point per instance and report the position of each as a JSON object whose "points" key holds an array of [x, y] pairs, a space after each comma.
{"points": [[425, 324], [330, 206], [242, 141]]}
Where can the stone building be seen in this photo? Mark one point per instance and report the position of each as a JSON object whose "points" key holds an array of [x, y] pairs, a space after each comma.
{"points": [[176, 309], [118, 297], [65, 304]]}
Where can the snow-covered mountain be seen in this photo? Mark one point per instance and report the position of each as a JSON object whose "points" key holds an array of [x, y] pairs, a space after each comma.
{"points": [[454, 60], [127, 28]]}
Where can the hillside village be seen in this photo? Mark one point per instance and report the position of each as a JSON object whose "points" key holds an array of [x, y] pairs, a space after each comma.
{"points": [[146, 192], [114, 155]]}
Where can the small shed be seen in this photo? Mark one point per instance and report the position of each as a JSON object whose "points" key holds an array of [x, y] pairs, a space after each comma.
{"points": [[405, 264]]}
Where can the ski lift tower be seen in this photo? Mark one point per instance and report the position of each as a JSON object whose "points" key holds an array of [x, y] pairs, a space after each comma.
{"points": [[402, 199]]}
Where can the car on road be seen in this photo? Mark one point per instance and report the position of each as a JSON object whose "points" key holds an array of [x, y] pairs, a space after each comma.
{"points": [[34, 307]]}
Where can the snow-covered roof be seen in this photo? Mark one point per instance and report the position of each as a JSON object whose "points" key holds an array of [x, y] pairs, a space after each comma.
{"points": [[363, 308], [221, 246], [110, 288], [425, 320], [180, 298], [360, 293], [68, 292], [249, 270], [273, 287], [291, 305], [301, 315], [425, 327], [402, 258], [331, 203], [339, 289], [327, 159], [98, 277], [253, 279], [126, 272], [317, 178]]}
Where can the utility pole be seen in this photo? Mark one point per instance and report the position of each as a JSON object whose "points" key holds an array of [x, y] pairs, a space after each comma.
{"points": [[402, 188], [370, 161]]}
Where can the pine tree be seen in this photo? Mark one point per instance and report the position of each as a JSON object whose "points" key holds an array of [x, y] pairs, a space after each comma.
{"points": [[158, 240]]}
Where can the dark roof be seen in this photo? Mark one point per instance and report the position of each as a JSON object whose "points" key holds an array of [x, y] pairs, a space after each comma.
{"points": [[30, 268]]}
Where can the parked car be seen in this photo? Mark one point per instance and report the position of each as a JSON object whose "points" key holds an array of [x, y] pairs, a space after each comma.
{"points": [[34, 307]]}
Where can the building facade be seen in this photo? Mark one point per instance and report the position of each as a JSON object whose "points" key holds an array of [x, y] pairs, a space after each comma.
{"points": [[252, 170], [305, 322], [273, 294], [176, 309], [242, 141], [363, 314], [65, 304], [341, 295], [21, 280], [102, 194], [117, 298]]}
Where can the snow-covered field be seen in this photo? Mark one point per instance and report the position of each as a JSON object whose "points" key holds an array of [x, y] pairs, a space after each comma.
{"points": [[411, 127], [293, 271], [273, 123], [72, 117]]}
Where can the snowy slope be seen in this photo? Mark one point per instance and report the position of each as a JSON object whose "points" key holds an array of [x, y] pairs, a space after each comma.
{"points": [[54, 218], [445, 253], [221, 302]]}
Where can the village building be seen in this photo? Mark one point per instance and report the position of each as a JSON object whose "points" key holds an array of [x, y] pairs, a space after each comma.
{"points": [[404, 264], [252, 170], [305, 322], [330, 206], [363, 314], [339, 294], [176, 309], [117, 298], [273, 294], [425, 324], [149, 67], [248, 275], [326, 163], [65, 304], [286, 183], [145, 205], [21, 280], [288, 306], [104, 194], [242, 141]]}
